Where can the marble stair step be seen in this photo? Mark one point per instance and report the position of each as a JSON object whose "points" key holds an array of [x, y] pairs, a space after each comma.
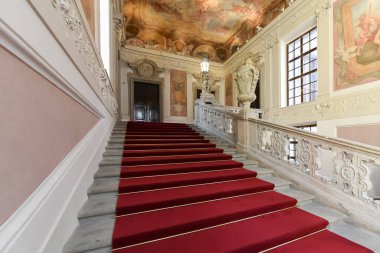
{"points": [[113, 153], [108, 171], [90, 236], [104, 185], [302, 197], [279, 183], [325, 212], [114, 146], [246, 161], [101, 250], [356, 234], [99, 205], [261, 172], [236, 155], [110, 161]]}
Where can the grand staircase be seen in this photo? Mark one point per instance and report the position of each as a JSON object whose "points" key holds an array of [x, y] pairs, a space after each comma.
{"points": [[173, 188]]}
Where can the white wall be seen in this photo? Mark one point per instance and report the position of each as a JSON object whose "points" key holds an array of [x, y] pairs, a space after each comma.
{"points": [[46, 219]]}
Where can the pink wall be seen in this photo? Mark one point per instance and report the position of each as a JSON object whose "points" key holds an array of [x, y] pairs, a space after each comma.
{"points": [[39, 126], [368, 134]]}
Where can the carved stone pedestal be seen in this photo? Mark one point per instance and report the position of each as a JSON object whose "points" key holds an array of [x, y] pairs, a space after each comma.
{"points": [[208, 98]]}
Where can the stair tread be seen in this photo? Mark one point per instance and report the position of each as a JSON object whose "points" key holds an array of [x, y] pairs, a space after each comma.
{"points": [[90, 236], [254, 234], [325, 212], [137, 202], [278, 182], [175, 180], [356, 234], [146, 170], [174, 159], [247, 161], [103, 185], [108, 171], [301, 196], [98, 204], [150, 225]]}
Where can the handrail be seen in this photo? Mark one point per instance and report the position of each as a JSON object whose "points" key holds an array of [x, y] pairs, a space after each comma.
{"points": [[344, 143], [346, 166]]}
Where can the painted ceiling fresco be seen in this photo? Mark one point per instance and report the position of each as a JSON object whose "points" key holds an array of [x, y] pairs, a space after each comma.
{"points": [[216, 28]]}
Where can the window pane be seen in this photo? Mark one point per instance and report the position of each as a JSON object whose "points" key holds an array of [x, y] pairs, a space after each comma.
{"points": [[291, 65], [291, 84], [297, 72], [297, 43], [297, 82], [313, 33], [306, 38], [313, 65], [313, 43], [297, 100], [306, 67], [291, 74], [306, 58], [313, 86], [306, 97], [291, 93], [306, 79], [314, 76], [306, 47], [291, 102], [291, 47], [291, 56], [306, 88], [297, 63], [297, 52], [298, 91], [313, 55]]}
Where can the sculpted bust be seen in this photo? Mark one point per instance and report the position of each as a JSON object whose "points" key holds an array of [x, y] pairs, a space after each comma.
{"points": [[246, 78]]}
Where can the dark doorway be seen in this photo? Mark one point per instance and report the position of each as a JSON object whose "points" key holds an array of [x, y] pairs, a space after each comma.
{"points": [[146, 102], [256, 104]]}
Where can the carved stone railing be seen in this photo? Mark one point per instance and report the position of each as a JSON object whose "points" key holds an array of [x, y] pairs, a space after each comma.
{"points": [[219, 120], [344, 172], [342, 164]]}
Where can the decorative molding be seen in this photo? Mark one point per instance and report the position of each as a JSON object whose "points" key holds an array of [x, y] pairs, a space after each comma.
{"points": [[146, 69], [322, 7], [364, 103], [167, 60], [76, 36]]}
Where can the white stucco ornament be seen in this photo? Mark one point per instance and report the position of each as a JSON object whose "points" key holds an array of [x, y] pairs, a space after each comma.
{"points": [[246, 78]]}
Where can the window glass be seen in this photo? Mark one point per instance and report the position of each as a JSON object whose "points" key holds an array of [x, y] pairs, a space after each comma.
{"points": [[302, 68]]}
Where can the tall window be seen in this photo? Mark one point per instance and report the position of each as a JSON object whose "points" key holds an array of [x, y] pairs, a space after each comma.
{"points": [[105, 33], [302, 68]]}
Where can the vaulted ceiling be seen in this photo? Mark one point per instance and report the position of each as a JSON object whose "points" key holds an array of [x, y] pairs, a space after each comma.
{"points": [[216, 28]]}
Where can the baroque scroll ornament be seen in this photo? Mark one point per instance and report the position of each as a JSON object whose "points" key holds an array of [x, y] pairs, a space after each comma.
{"points": [[246, 78]]}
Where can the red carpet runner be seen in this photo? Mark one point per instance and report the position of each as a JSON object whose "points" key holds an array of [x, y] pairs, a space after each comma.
{"points": [[179, 193]]}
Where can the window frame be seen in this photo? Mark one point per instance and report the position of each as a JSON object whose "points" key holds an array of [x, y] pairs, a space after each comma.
{"points": [[302, 74]]}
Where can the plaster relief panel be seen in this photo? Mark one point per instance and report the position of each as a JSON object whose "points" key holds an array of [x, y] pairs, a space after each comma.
{"points": [[178, 93], [228, 92]]}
